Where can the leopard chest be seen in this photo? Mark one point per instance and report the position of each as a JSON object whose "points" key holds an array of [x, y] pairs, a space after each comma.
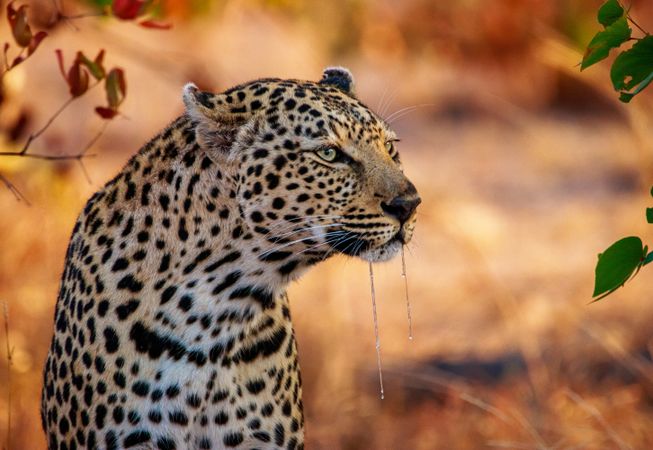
{"points": [[243, 393]]}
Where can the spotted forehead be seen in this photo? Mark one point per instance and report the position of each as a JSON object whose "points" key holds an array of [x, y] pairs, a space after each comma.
{"points": [[306, 101]]}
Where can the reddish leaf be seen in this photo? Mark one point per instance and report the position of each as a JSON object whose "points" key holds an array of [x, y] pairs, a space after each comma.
{"points": [[36, 41], [155, 25], [127, 9], [5, 50], [17, 60], [95, 66], [115, 87], [99, 58], [106, 113], [19, 26], [77, 79]]}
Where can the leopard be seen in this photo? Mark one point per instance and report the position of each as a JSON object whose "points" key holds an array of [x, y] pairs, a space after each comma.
{"points": [[172, 327]]}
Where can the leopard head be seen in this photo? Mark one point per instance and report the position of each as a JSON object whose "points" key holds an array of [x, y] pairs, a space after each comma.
{"points": [[315, 171]]}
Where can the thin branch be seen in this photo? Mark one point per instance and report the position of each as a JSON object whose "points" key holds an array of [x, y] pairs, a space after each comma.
{"points": [[81, 16], [60, 16], [95, 138], [46, 157], [90, 143], [9, 363], [45, 127], [79, 157], [13, 189], [637, 25], [42, 130], [6, 63]]}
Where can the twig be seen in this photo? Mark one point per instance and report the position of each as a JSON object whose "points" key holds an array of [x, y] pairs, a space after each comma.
{"points": [[81, 16], [594, 412], [79, 157], [60, 16], [13, 189], [90, 143], [42, 130], [35, 135], [9, 363], [637, 25], [46, 157], [6, 63]]}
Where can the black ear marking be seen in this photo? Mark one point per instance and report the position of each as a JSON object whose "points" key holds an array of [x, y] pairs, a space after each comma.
{"points": [[340, 78]]}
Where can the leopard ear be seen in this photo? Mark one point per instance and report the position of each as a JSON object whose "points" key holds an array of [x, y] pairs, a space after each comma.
{"points": [[217, 124], [339, 77], [226, 108]]}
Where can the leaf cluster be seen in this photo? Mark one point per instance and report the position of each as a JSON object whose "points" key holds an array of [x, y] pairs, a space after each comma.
{"points": [[83, 69], [632, 70], [23, 36]]}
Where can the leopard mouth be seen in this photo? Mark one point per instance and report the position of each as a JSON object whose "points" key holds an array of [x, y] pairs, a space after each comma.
{"points": [[354, 244], [347, 242]]}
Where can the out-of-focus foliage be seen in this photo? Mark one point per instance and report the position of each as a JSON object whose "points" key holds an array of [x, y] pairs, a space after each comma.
{"points": [[632, 70], [631, 73], [617, 264], [23, 36]]}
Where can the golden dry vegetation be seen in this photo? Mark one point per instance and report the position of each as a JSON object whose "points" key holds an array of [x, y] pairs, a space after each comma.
{"points": [[527, 169]]}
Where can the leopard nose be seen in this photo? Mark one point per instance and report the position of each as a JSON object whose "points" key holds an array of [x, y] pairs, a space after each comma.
{"points": [[401, 208]]}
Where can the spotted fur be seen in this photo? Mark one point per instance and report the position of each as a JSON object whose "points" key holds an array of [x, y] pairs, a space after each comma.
{"points": [[172, 329]]}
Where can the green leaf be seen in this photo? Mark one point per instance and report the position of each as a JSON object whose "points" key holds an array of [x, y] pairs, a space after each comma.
{"points": [[625, 97], [617, 264], [604, 41], [649, 215], [633, 68], [638, 89], [648, 259], [609, 12], [115, 87], [94, 67]]}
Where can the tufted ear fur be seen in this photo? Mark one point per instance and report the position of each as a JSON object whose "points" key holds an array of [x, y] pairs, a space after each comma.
{"points": [[339, 77], [217, 119]]}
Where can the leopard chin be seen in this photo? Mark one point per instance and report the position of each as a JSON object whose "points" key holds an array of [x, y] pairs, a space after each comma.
{"points": [[382, 253], [390, 249]]}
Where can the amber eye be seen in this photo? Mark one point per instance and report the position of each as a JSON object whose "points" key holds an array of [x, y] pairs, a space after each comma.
{"points": [[328, 154], [389, 146]]}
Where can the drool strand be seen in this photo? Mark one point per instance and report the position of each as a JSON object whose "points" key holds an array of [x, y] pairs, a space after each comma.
{"points": [[376, 332], [405, 277]]}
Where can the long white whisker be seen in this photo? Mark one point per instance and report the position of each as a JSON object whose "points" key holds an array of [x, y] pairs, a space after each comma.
{"points": [[344, 237], [389, 102], [287, 224], [385, 91], [403, 111], [312, 227], [279, 247], [287, 244]]}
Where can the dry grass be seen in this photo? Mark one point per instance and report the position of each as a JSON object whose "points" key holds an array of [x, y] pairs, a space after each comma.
{"points": [[519, 196]]}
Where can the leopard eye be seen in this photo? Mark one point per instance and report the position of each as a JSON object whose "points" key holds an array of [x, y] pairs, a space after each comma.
{"points": [[328, 154], [389, 146]]}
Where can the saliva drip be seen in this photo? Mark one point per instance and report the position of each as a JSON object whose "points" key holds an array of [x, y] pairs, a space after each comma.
{"points": [[405, 277], [376, 332]]}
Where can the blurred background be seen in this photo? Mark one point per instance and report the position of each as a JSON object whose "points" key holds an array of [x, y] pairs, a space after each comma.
{"points": [[526, 167]]}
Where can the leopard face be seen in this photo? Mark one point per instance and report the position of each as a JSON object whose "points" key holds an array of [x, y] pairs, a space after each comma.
{"points": [[317, 171]]}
